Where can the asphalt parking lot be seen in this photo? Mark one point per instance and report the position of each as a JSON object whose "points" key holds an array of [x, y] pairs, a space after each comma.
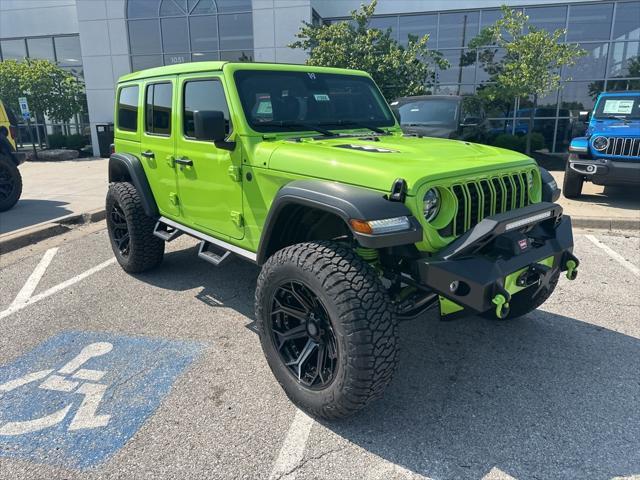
{"points": [[171, 381]]}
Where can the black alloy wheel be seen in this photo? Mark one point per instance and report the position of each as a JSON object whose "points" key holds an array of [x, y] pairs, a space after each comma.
{"points": [[119, 229]]}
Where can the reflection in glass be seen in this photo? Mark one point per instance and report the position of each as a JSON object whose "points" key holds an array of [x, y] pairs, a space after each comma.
{"points": [[457, 29], [589, 22], [142, 8], [68, 50], [624, 59], [204, 33], [144, 36], [418, 25], [41, 48], [384, 23], [461, 70], [175, 36], [140, 62], [592, 65], [236, 31], [547, 18], [13, 49], [627, 23]]}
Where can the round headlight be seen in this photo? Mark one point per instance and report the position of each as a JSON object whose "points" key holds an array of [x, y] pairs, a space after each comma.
{"points": [[600, 143], [431, 204]]}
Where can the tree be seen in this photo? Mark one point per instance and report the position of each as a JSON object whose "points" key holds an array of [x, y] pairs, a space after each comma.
{"points": [[531, 63], [398, 70]]}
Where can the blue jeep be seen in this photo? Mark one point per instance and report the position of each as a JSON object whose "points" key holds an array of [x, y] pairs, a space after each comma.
{"points": [[609, 153]]}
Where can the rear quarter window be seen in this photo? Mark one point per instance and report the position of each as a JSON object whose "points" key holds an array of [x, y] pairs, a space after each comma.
{"points": [[128, 109]]}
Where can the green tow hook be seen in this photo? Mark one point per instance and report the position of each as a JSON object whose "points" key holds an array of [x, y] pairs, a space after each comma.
{"points": [[502, 306], [572, 269]]}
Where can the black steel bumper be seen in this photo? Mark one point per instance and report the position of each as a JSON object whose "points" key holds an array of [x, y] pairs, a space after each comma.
{"points": [[472, 270], [602, 171]]}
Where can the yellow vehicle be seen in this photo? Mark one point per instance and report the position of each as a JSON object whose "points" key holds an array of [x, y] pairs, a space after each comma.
{"points": [[10, 178]]}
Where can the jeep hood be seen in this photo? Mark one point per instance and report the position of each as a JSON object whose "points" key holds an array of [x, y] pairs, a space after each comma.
{"points": [[376, 161], [615, 128]]}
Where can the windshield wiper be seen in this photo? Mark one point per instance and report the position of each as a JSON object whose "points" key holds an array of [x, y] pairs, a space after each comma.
{"points": [[300, 125], [344, 123]]}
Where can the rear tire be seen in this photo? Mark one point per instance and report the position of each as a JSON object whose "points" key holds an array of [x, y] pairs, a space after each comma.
{"points": [[349, 307], [133, 243], [573, 182], [10, 184]]}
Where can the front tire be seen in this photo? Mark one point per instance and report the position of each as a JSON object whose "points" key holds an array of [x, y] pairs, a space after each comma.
{"points": [[10, 184], [573, 182], [133, 243], [326, 327]]}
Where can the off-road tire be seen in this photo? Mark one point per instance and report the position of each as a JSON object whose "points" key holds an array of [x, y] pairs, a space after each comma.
{"points": [[523, 302], [573, 182], [145, 249], [10, 183], [361, 316]]}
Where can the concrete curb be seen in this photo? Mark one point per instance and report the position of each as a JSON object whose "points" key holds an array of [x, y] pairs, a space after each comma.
{"points": [[30, 235], [606, 223]]}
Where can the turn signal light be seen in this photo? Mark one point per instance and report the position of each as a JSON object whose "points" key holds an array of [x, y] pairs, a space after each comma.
{"points": [[386, 225]]}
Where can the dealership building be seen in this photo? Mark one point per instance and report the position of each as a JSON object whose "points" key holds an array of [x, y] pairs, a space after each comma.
{"points": [[100, 40]]}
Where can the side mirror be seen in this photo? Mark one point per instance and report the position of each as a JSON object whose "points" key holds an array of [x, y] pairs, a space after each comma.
{"points": [[584, 116], [470, 122], [209, 125]]}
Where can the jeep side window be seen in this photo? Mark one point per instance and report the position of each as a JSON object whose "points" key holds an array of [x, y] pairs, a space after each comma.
{"points": [[128, 109], [158, 109], [202, 95]]}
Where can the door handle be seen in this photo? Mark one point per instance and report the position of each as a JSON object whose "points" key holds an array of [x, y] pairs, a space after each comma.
{"points": [[184, 161], [148, 154]]}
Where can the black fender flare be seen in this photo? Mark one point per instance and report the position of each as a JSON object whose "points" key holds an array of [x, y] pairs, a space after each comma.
{"points": [[550, 190], [346, 202], [125, 167]]}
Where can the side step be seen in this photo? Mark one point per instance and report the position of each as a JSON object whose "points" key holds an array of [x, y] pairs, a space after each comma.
{"points": [[212, 253], [166, 232]]}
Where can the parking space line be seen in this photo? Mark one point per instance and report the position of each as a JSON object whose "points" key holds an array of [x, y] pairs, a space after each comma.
{"points": [[55, 289], [293, 447], [615, 255], [34, 279]]}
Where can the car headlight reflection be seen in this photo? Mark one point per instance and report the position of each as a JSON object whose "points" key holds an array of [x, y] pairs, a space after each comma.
{"points": [[431, 204]]}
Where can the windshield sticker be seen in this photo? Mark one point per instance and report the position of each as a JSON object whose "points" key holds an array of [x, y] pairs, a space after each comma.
{"points": [[620, 107], [321, 97]]}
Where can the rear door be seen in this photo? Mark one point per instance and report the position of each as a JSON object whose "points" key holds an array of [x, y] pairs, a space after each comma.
{"points": [[209, 180]]}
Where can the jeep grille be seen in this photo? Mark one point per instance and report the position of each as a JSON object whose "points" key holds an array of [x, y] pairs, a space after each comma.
{"points": [[485, 197], [623, 147]]}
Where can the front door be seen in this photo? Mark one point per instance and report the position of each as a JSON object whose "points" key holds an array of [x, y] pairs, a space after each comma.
{"points": [[209, 181]]}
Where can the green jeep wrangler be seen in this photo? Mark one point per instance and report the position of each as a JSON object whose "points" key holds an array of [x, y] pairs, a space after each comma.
{"points": [[305, 171]]}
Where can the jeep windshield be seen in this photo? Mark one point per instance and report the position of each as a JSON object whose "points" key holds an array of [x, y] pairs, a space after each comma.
{"points": [[283, 101], [432, 112], [623, 107]]}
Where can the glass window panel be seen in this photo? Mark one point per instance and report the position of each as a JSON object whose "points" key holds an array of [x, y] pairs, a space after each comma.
{"points": [[237, 56], [624, 59], [203, 95], [68, 50], [205, 56], [175, 58], [236, 31], [455, 89], [170, 8], [41, 48], [578, 96], [175, 35], [459, 71], [234, 5], [204, 33], [627, 23], [489, 17], [592, 65], [546, 106], [489, 59], [384, 23], [144, 36], [142, 8], [419, 25], [128, 109], [589, 22], [457, 29], [620, 85], [547, 18], [13, 49], [202, 6], [140, 62], [158, 109]]}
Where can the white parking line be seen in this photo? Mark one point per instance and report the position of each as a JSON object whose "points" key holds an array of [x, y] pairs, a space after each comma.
{"points": [[55, 289], [32, 282], [293, 447], [615, 255]]}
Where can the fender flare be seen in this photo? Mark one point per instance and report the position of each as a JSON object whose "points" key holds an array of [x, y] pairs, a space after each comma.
{"points": [[127, 167], [346, 202]]}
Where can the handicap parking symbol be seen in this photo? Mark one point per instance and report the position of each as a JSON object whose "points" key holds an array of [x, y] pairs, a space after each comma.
{"points": [[80, 396]]}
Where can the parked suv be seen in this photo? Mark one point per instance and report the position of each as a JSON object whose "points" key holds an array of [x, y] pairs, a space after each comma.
{"points": [[609, 153], [304, 171], [443, 116], [10, 178]]}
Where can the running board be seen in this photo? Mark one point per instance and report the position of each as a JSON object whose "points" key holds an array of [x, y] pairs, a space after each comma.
{"points": [[214, 242], [166, 232], [212, 253]]}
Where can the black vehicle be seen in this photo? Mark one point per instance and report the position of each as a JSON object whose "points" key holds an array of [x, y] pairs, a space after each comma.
{"points": [[444, 116]]}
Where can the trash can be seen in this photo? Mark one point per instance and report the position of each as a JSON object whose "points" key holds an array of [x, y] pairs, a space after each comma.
{"points": [[105, 138]]}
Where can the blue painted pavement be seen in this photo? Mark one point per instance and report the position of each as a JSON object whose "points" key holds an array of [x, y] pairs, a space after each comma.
{"points": [[77, 398]]}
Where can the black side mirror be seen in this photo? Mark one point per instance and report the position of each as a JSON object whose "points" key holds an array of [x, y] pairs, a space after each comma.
{"points": [[584, 116], [209, 125]]}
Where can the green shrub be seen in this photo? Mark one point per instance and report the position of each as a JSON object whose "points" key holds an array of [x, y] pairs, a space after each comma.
{"points": [[77, 142], [57, 140], [519, 142]]}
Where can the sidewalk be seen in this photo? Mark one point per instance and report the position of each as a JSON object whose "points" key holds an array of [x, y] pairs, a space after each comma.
{"points": [[53, 190]]}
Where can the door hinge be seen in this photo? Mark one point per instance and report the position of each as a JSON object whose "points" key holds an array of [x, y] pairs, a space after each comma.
{"points": [[235, 173], [173, 198], [171, 161], [236, 218]]}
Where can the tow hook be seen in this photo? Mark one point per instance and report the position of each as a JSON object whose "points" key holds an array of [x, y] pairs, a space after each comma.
{"points": [[571, 264], [501, 301]]}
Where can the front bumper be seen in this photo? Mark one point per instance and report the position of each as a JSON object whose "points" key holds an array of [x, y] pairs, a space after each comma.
{"points": [[604, 171], [535, 242]]}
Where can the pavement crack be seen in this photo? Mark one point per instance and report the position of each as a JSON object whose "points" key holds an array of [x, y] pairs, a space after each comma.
{"points": [[305, 461]]}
